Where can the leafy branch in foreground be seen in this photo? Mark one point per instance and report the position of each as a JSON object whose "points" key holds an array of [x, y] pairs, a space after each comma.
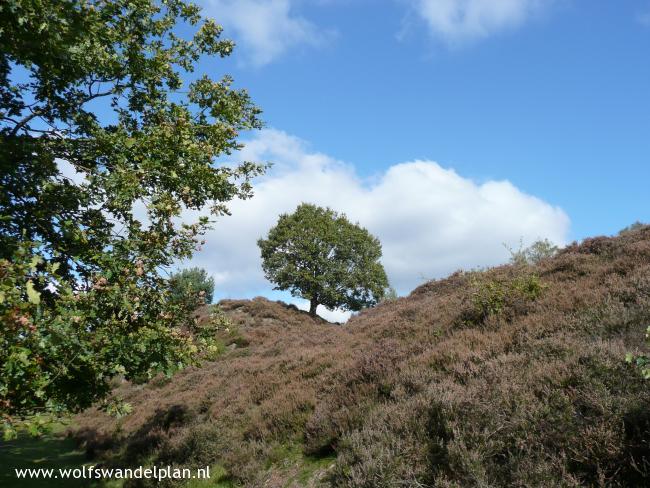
{"points": [[102, 148]]}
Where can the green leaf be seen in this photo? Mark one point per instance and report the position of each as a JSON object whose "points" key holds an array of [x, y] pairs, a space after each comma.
{"points": [[32, 295], [36, 260]]}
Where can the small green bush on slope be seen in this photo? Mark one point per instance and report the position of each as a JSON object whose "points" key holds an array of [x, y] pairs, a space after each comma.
{"points": [[534, 254], [534, 392]]}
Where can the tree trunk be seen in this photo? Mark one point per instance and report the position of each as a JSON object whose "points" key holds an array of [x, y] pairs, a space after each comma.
{"points": [[313, 304]]}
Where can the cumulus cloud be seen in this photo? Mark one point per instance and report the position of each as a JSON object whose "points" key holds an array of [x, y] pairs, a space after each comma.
{"points": [[460, 21], [265, 28], [431, 221]]}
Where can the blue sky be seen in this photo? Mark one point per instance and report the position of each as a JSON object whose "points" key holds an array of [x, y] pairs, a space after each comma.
{"points": [[557, 102]]}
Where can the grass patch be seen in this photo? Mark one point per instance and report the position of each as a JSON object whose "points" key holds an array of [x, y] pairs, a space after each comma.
{"points": [[299, 467], [312, 464], [49, 451], [54, 451]]}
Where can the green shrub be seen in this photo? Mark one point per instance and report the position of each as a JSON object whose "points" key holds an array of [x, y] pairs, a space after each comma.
{"points": [[641, 361], [214, 334], [489, 298], [500, 298], [530, 287], [534, 254]]}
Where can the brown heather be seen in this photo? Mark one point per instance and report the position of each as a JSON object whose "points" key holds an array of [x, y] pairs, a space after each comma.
{"points": [[514, 376]]}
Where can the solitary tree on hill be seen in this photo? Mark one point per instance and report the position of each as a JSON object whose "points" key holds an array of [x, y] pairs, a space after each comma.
{"points": [[321, 256]]}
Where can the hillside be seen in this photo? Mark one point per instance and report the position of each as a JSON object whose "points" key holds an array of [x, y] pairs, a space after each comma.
{"points": [[514, 376]]}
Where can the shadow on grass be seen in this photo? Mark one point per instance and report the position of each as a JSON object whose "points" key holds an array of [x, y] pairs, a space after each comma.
{"points": [[47, 452]]}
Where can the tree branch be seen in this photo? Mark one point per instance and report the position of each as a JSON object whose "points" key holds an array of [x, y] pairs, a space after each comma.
{"points": [[24, 122]]}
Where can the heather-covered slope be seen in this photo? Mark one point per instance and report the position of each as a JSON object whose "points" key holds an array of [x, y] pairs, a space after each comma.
{"points": [[510, 377]]}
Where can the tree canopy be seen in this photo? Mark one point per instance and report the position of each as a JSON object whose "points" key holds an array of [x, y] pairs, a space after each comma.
{"points": [[103, 145], [192, 285], [321, 256]]}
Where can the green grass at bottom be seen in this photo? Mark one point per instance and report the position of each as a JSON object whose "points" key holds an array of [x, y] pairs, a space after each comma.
{"points": [[54, 451], [50, 451]]}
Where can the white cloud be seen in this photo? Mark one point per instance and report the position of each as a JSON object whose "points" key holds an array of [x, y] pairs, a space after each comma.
{"points": [[266, 28], [69, 172], [340, 316], [430, 220], [460, 21]]}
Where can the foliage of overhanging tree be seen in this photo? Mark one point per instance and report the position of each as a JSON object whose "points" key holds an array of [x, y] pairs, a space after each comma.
{"points": [[97, 87], [321, 256]]}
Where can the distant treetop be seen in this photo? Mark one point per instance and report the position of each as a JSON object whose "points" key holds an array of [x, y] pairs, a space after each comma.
{"points": [[192, 285]]}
